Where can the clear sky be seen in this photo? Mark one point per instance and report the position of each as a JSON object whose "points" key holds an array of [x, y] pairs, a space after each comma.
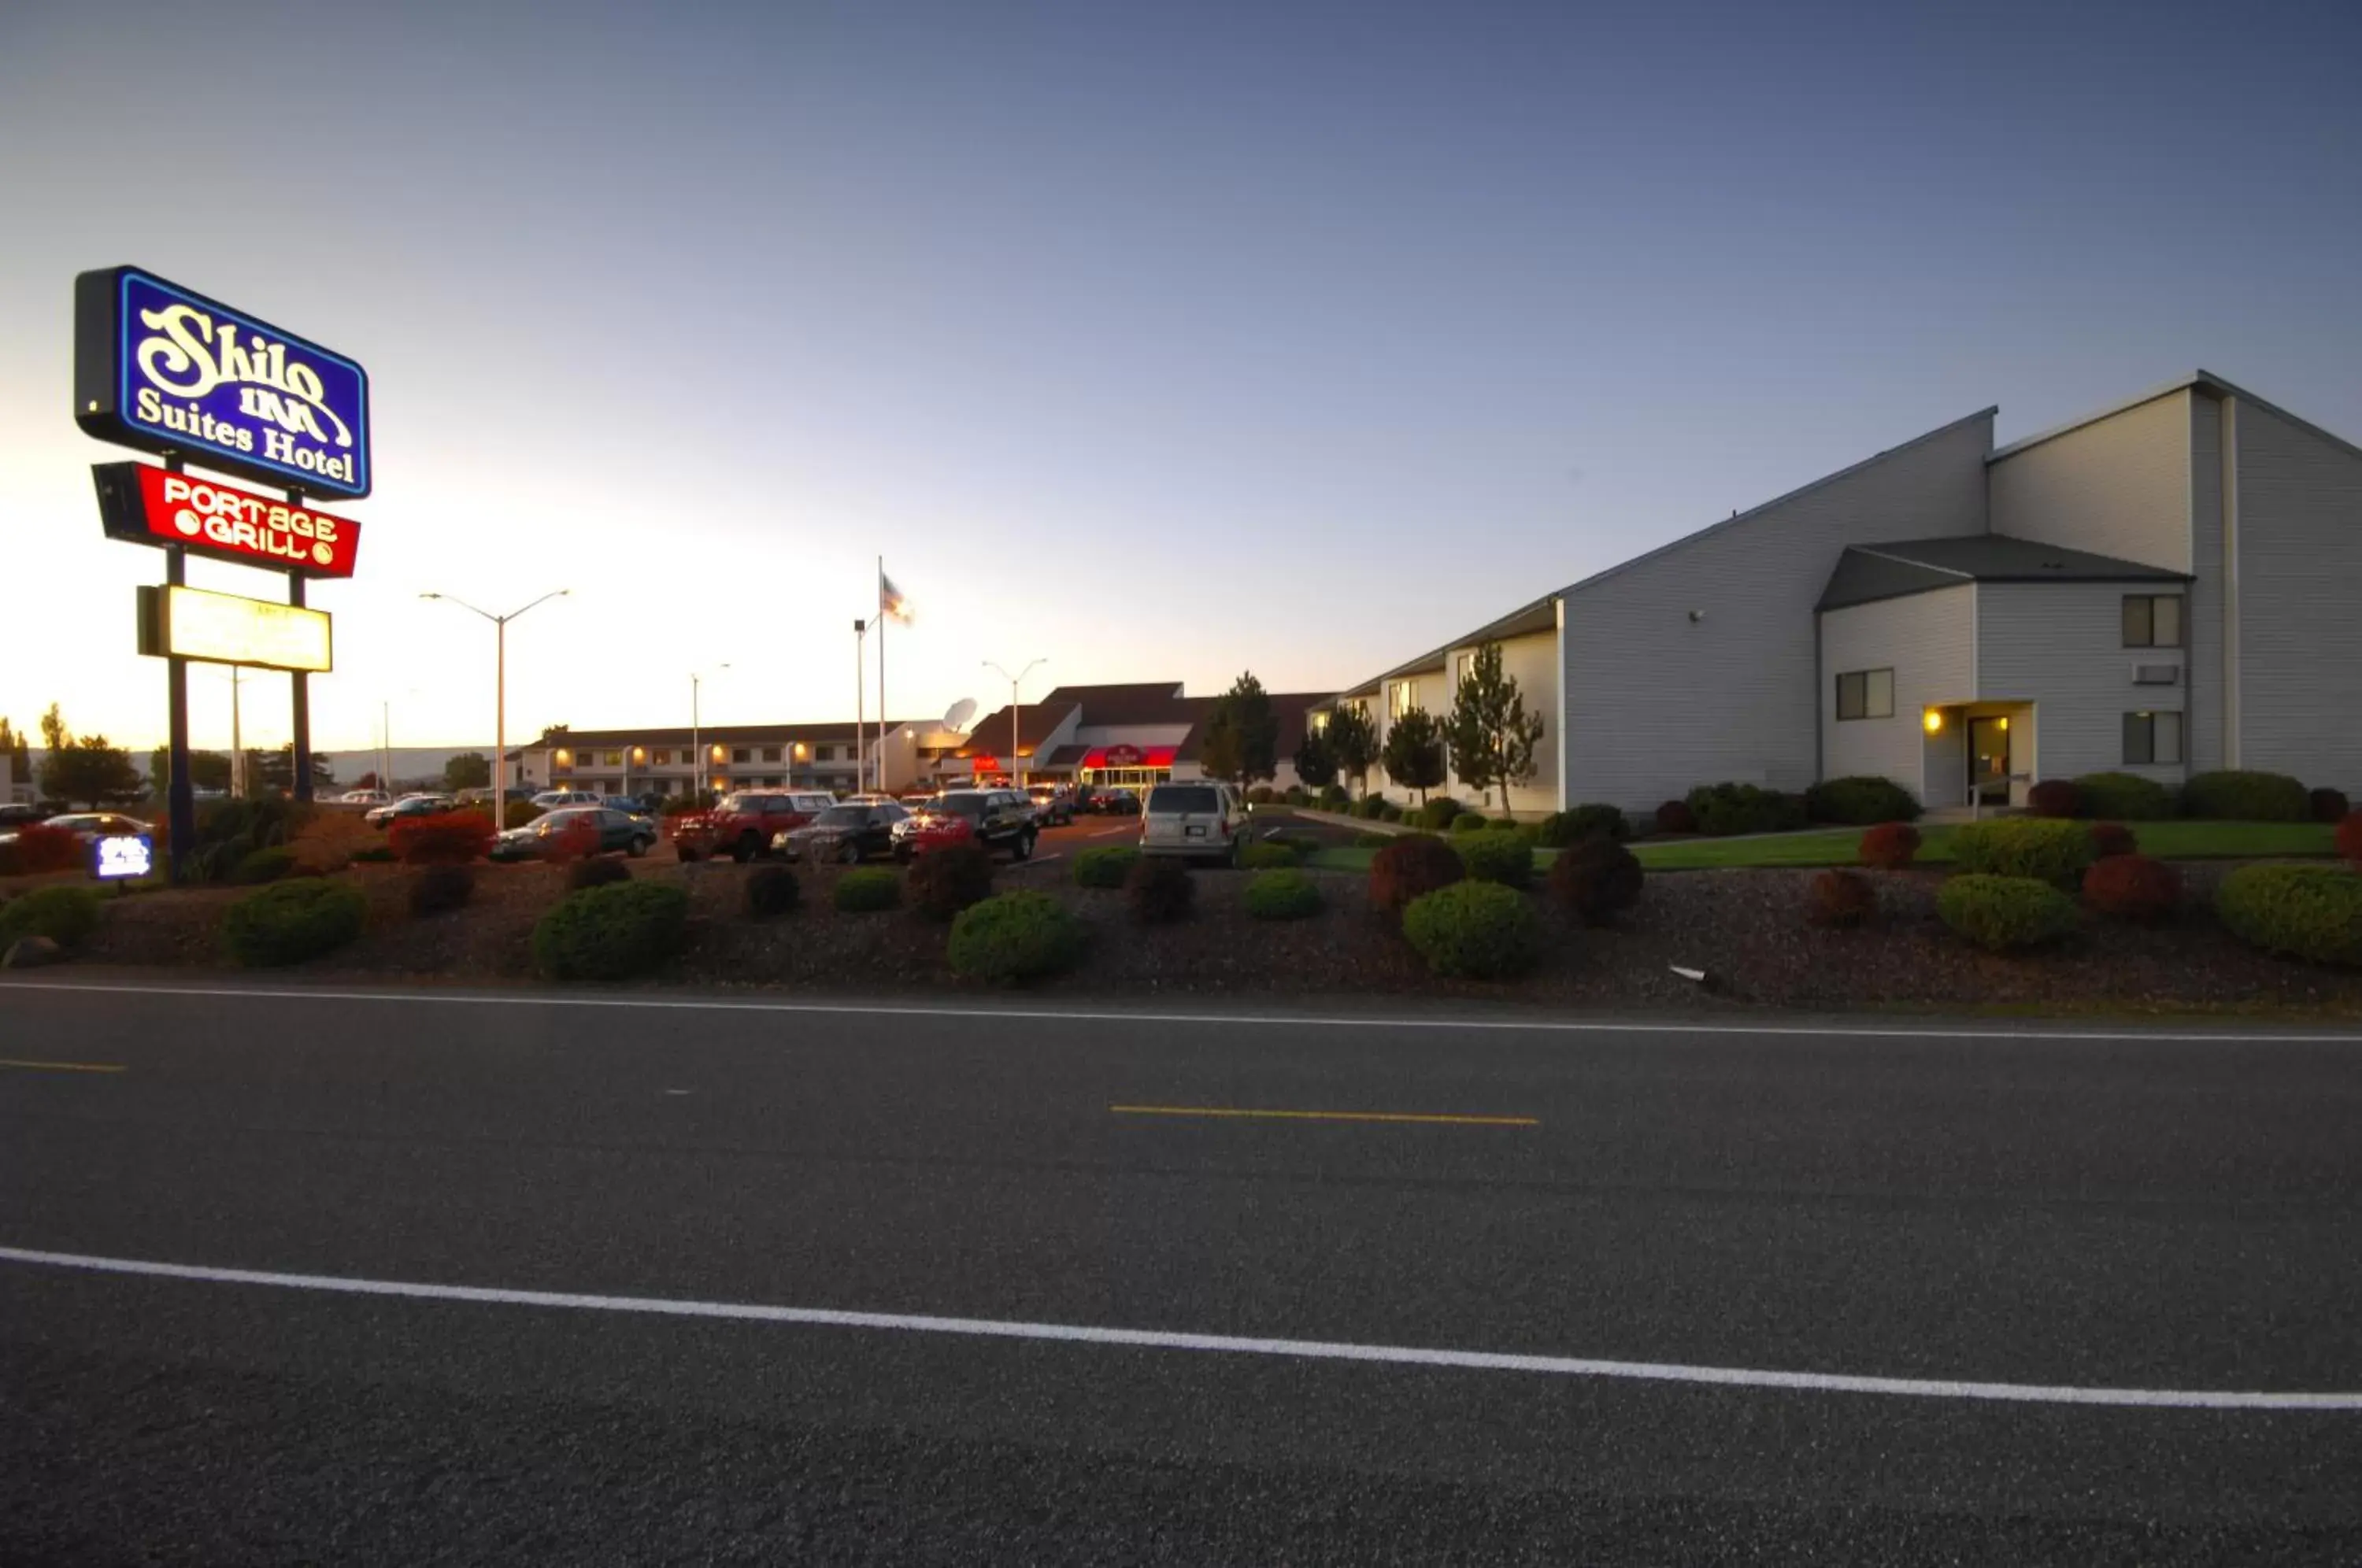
{"points": [[1162, 340]]}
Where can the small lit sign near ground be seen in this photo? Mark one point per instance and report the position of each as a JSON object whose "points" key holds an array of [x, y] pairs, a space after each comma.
{"points": [[221, 628], [151, 506], [122, 857], [163, 369]]}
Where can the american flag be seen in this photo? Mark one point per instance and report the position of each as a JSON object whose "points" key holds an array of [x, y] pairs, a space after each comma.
{"points": [[890, 600]]}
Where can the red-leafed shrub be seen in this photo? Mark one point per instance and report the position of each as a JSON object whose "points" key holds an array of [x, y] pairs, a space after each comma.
{"points": [[2349, 838], [2112, 839], [2055, 797], [1411, 867], [1889, 846], [1595, 881], [575, 838], [1841, 897], [1675, 816], [38, 849], [445, 838], [2329, 805], [2133, 886]]}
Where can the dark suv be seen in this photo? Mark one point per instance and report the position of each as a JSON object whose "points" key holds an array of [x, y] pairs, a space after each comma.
{"points": [[997, 818]]}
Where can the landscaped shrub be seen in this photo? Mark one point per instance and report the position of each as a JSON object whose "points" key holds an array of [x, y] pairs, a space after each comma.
{"points": [[2233, 796], [1104, 867], [1411, 866], [1840, 899], [39, 849], [259, 866], [1725, 809], [1261, 795], [2112, 839], [1439, 811], [2348, 838], [1860, 800], [577, 839], [2005, 912], [1389, 812], [1502, 824], [2306, 911], [946, 881], [292, 920], [1675, 816], [1468, 821], [331, 841], [1269, 855], [595, 874], [1889, 847], [1282, 895], [1478, 931], [1331, 795], [773, 891], [1372, 840], [1372, 807], [1559, 829], [2126, 797], [612, 932], [1595, 880], [865, 889], [2055, 797], [2133, 886], [64, 915], [1159, 889], [517, 813], [1013, 938], [375, 854], [437, 890], [2329, 805], [1496, 856], [2054, 852], [445, 838]]}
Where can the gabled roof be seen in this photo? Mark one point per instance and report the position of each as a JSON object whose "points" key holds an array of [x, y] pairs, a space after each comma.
{"points": [[1866, 573], [2201, 380], [1035, 725], [1138, 702]]}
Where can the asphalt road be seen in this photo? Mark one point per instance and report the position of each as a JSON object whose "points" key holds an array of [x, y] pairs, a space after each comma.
{"points": [[2070, 1219]]}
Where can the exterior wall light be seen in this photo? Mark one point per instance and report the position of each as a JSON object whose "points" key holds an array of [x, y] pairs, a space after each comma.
{"points": [[2000, 723], [1933, 719]]}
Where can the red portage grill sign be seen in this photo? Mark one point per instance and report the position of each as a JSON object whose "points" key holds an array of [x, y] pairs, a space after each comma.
{"points": [[155, 506]]}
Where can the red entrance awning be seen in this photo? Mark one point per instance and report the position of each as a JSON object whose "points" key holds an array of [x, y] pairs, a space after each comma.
{"points": [[1129, 756]]}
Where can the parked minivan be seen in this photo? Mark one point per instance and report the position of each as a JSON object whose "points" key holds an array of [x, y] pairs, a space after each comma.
{"points": [[1205, 821]]}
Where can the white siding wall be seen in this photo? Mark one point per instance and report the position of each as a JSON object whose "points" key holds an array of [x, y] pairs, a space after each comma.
{"points": [[1657, 703], [2119, 486], [1432, 696], [1532, 663], [1929, 640], [2060, 645], [2300, 500], [2205, 625]]}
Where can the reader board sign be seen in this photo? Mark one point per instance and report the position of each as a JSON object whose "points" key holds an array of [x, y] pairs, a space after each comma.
{"points": [[222, 628], [122, 856], [163, 369], [155, 506]]}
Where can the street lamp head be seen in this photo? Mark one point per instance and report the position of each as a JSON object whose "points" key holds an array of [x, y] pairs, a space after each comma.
{"points": [[430, 596]]}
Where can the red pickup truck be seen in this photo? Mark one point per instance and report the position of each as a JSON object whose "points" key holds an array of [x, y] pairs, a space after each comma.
{"points": [[741, 826]]}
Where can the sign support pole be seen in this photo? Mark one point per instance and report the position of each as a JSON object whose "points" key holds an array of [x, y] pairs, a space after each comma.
{"points": [[179, 797], [303, 705]]}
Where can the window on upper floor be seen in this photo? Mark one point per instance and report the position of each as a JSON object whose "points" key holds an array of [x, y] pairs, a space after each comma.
{"points": [[613, 759], [740, 753], [823, 754], [1402, 696], [1866, 694], [770, 754], [2152, 620], [660, 758], [2153, 737]]}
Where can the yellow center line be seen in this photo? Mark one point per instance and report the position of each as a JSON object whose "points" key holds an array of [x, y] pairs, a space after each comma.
{"points": [[1323, 1115], [63, 1067]]}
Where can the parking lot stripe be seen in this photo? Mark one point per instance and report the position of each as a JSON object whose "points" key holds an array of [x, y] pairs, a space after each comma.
{"points": [[1244, 1111], [63, 1066]]}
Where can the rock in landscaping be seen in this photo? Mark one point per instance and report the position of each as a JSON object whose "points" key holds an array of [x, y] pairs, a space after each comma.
{"points": [[30, 953]]}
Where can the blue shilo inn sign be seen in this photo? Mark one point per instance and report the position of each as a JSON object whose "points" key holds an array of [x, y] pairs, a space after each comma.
{"points": [[163, 369]]}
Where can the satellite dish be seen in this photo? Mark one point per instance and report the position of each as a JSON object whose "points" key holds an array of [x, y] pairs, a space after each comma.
{"points": [[961, 712]]}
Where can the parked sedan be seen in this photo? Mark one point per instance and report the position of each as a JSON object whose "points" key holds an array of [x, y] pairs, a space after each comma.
{"points": [[539, 839], [408, 806], [848, 833], [91, 826]]}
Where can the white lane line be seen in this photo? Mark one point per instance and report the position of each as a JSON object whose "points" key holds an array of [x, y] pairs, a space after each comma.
{"points": [[1234, 1020], [1152, 1339]]}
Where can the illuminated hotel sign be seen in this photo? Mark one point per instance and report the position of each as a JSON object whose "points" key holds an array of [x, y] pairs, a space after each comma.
{"points": [[163, 369], [151, 506], [221, 628]]}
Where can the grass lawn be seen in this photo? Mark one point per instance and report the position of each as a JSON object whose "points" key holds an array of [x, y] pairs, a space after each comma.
{"points": [[1836, 846]]}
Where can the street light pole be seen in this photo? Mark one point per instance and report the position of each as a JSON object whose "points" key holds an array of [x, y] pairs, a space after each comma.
{"points": [[500, 692], [1015, 708], [696, 735]]}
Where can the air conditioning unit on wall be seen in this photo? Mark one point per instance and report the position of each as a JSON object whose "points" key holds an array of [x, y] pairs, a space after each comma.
{"points": [[2157, 675]]}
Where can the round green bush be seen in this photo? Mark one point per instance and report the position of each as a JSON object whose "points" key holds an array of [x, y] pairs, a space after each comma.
{"points": [[1372, 840], [2124, 797], [596, 872], [1495, 856], [1369, 807], [1438, 813], [866, 889], [1282, 895], [2305, 911], [1468, 821], [438, 889], [1104, 867], [1389, 812], [1269, 856], [289, 921], [257, 867], [1478, 931], [64, 915], [2054, 850], [1721, 810], [1561, 829], [772, 890], [2005, 912], [1014, 937], [1862, 800], [2234, 796], [1160, 890], [612, 932], [946, 881]]}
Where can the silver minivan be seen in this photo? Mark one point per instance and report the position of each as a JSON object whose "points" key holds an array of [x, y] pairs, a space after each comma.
{"points": [[1202, 821]]}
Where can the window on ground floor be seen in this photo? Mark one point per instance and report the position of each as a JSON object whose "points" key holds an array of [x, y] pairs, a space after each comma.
{"points": [[2153, 737], [1866, 694], [2152, 620]]}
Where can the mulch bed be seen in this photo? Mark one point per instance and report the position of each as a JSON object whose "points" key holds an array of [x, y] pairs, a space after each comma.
{"points": [[1746, 929]]}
